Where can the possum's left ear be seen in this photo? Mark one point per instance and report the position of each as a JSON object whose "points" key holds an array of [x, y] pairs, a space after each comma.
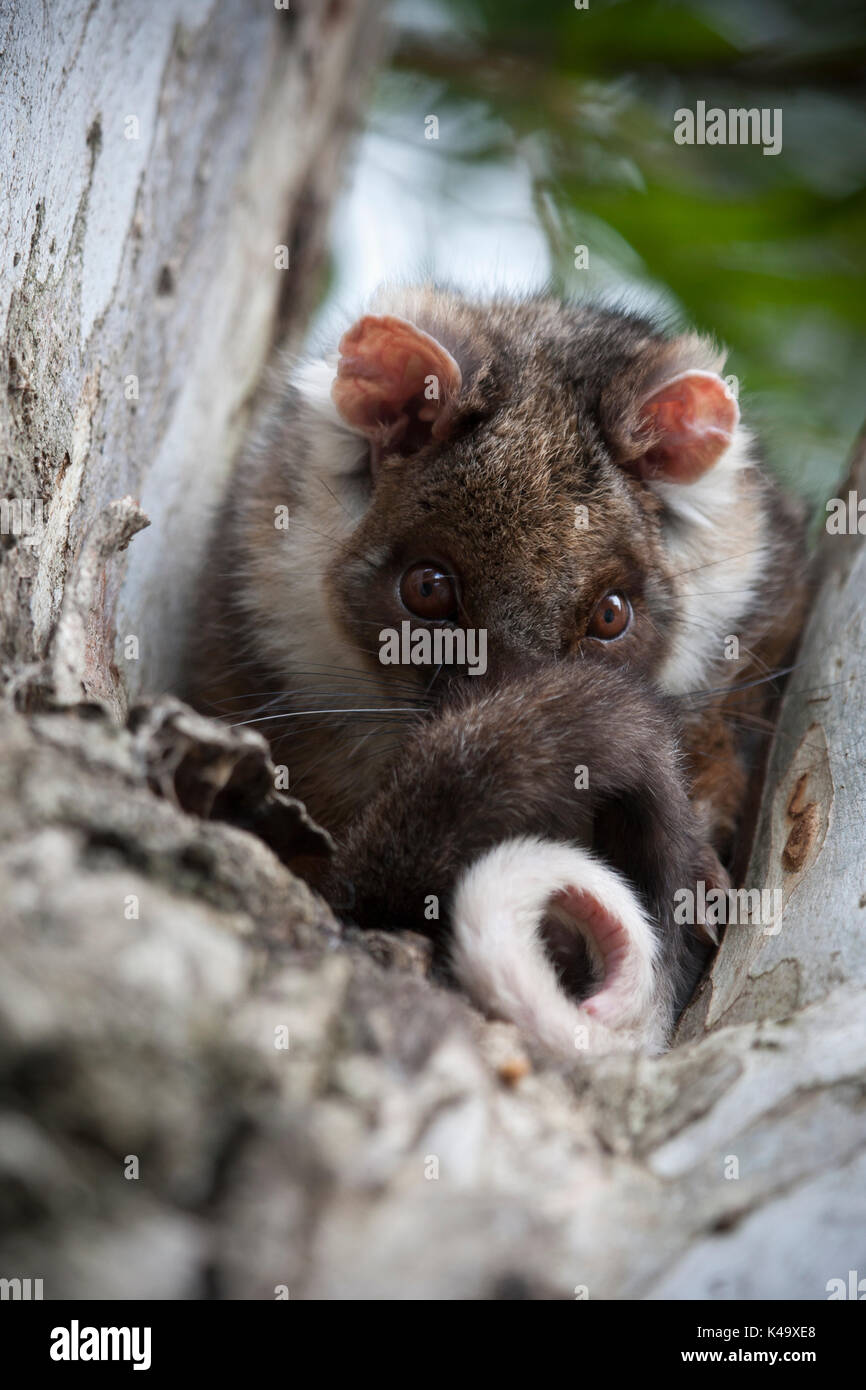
{"points": [[670, 417], [395, 383], [689, 422]]}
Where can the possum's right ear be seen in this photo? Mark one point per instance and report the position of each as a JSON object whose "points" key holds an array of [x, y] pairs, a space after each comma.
{"points": [[395, 383]]}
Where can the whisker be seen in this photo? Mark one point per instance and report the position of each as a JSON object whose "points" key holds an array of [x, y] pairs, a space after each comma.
{"points": [[743, 685], [301, 713], [724, 560], [338, 501]]}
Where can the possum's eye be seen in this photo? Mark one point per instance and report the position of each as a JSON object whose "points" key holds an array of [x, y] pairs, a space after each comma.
{"points": [[610, 618], [428, 592]]}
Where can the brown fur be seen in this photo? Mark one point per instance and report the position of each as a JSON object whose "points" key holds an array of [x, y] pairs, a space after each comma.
{"points": [[499, 762], [546, 420], [419, 771]]}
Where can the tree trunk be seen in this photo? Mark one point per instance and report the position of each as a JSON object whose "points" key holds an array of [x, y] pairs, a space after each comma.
{"points": [[808, 849], [154, 160], [209, 1088]]}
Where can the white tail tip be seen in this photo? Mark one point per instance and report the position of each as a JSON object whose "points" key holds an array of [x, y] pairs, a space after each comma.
{"points": [[499, 953]]}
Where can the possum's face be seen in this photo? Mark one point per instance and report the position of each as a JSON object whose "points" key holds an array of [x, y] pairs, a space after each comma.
{"points": [[522, 482], [527, 480], [522, 529]]}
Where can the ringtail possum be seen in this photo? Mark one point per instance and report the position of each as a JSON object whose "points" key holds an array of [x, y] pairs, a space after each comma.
{"points": [[568, 480]]}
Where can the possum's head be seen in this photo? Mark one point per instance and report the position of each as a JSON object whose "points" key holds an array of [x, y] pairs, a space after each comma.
{"points": [[551, 476], [506, 479]]}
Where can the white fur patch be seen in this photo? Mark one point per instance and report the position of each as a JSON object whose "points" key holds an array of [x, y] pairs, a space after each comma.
{"points": [[302, 642], [718, 553], [500, 958], [314, 379]]}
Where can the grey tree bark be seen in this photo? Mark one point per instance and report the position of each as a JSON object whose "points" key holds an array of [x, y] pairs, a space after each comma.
{"points": [[208, 1087], [154, 160]]}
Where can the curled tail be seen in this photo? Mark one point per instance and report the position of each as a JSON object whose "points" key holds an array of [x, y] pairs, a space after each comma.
{"points": [[503, 907]]}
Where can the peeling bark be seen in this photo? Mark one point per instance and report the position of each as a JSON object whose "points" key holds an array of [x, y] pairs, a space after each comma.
{"points": [[809, 842], [153, 159], [397, 1146]]}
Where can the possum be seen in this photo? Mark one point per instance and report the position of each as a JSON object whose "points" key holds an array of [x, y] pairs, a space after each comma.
{"points": [[568, 480]]}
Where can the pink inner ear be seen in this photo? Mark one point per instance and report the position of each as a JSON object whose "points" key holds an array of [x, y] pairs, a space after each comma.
{"points": [[693, 417], [383, 377]]}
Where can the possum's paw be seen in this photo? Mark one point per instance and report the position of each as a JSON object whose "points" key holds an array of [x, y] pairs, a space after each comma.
{"points": [[533, 920]]}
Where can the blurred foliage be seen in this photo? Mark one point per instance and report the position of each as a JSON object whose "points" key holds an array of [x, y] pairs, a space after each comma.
{"points": [[766, 252]]}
